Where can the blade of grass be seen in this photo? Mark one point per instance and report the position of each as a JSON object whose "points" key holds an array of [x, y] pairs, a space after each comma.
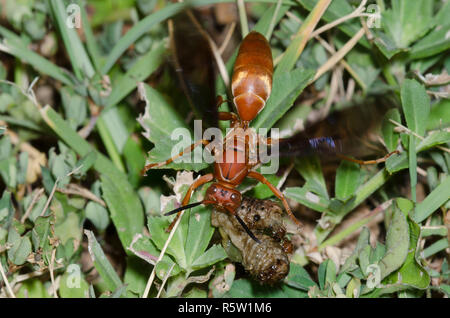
{"points": [[91, 42], [138, 30], [416, 107], [101, 263], [272, 22], [433, 201], [140, 70], [362, 193], [12, 45], [297, 45], [109, 144], [242, 17], [335, 239], [79, 59], [434, 248]]}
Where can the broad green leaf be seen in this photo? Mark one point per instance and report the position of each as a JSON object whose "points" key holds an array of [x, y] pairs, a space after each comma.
{"points": [[390, 137], [122, 209], [72, 284], [407, 20], [299, 278], [69, 228], [145, 249], [416, 106], [98, 215], [310, 169], [32, 288], [213, 255], [411, 273], [439, 115], [41, 232], [20, 247], [75, 106], [6, 209], [199, 233], [113, 128], [307, 198], [434, 139], [101, 263], [434, 43], [162, 123], [397, 244], [243, 288], [353, 288], [347, 180], [157, 227]]}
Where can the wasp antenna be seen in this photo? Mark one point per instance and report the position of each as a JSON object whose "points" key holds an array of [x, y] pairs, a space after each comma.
{"points": [[184, 207], [247, 229]]}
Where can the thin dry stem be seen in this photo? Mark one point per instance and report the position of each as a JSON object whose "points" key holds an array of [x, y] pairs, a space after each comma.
{"points": [[161, 255], [355, 14], [5, 279], [410, 132], [165, 280], [36, 197], [52, 276], [75, 189], [339, 54], [217, 56], [227, 39]]}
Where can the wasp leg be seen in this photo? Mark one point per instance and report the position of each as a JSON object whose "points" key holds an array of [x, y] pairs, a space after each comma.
{"points": [[182, 153], [278, 194], [197, 183], [368, 162]]}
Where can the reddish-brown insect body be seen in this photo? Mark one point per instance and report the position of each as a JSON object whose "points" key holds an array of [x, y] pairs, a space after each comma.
{"points": [[251, 86], [235, 158]]}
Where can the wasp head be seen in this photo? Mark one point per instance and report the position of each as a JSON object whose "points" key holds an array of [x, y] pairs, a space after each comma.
{"points": [[223, 197]]}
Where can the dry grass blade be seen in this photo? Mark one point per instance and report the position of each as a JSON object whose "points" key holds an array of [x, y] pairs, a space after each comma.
{"points": [[216, 53], [339, 54], [5, 279], [161, 255]]}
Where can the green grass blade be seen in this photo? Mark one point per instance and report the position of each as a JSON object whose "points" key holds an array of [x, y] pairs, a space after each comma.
{"points": [[91, 43], [138, 30], [12, 44], [298, 43], [433, 201], [81, 63], [140, 70], [101, 263]]}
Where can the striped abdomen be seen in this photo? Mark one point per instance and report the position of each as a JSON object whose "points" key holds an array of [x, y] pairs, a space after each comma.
{"points": [[252, 76]]}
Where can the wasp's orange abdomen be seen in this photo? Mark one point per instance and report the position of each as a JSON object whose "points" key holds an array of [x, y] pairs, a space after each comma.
{"points": [[252, 76]]}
